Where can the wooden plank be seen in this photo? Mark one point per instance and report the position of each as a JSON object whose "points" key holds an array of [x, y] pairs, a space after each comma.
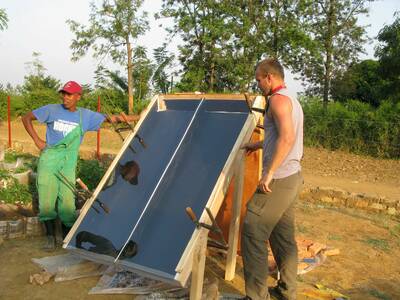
{"points": [[235, 220], [189, 96], [103, 181], [199, 262], [217, 196]]}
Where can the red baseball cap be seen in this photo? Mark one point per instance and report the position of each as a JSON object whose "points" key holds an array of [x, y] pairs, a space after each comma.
{"points": [[71, 87]]}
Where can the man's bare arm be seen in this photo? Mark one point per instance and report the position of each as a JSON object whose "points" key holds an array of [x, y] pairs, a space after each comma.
{"points": [[27, 121], [120, 119]]}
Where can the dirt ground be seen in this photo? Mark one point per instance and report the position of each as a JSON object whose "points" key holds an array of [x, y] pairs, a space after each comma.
{"points": [[367, 268]]}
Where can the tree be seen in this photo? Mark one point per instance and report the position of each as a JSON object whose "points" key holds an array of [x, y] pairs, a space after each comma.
{"points": [[223, 40], [3, 19], [38, 88], [361, 81], [203, 30], [141, 74], [267, 28], [388, 52], [114, 85], [163, 63], [114, 25], [337, 41]]}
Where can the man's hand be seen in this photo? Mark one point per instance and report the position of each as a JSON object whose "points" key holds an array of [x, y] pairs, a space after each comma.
{"points": [[40, 144], [263, 185], [251, 147], [121, 119]]}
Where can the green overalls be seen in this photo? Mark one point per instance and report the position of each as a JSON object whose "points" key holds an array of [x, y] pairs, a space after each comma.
{"points": [[61, 157]]}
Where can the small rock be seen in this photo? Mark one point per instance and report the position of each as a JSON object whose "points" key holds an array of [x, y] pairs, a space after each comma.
{"points": [[377, 206], [326, 199]]}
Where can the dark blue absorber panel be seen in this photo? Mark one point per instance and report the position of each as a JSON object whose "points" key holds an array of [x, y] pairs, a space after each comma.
{"points": [[161, 132], [164, 231], [209, 105]]}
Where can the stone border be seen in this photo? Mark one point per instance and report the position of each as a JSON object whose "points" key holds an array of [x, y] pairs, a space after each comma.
{"points": [[22, 227], [340, 198]]}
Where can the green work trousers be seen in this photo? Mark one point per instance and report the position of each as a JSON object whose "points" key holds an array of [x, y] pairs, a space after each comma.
{"points": [[271, 217], [61, 157]]}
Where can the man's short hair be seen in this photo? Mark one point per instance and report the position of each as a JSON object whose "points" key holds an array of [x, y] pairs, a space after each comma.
{"points": [[271, 66]]}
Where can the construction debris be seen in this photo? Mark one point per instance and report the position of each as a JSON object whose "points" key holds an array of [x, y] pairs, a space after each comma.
{"points": [[40, 278], [311, 255], [321, 292], [117, 281], [332, 252], [68, 267]]}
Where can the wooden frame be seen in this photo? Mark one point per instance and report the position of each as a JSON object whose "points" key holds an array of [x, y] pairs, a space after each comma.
{"points": [[234, 164]]}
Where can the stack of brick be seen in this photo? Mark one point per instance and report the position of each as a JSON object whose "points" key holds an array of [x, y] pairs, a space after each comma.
{"points": [[311, 254]]}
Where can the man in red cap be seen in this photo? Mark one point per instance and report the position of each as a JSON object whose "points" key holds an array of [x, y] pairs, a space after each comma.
{"points": [[66, 125]]}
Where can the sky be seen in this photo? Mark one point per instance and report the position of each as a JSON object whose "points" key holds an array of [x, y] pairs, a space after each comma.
{"points": [[40, 26]]}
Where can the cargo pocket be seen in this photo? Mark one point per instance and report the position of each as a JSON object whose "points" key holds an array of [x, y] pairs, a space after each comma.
{"points": [[257, 203], [253, 219]]}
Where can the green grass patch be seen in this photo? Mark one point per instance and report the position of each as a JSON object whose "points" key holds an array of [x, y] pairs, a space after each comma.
{"points": [[379, 244], [335, 237], [379, 294], [395, 230], [302, 228]]}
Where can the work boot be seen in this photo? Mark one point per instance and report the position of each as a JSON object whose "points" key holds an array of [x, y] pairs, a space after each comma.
{"points": [[65, 229], [276, 293], [50, 244]]}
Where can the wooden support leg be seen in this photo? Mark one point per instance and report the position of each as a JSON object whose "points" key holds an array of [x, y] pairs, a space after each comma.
{"points": [[199, 262], [235, 220]]}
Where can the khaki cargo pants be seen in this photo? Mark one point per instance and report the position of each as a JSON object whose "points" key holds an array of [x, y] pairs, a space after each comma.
{"points": [[271, 217]]}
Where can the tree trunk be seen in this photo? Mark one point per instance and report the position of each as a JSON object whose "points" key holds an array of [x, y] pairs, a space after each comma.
{"points": [[212, 68], [130, 79], [328, 52], [212, 77]]}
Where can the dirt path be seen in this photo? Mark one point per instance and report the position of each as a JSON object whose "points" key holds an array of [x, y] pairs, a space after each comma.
{"points": [[352, 173]]}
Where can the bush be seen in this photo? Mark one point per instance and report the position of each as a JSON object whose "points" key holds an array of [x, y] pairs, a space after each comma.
{"points": [[39, 98], [90, 172], [112, 101], [353, 126], [13, 191]]}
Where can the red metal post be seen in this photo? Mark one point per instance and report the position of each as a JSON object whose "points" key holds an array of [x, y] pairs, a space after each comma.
{"points": [[98, 131], [9, 120]]}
